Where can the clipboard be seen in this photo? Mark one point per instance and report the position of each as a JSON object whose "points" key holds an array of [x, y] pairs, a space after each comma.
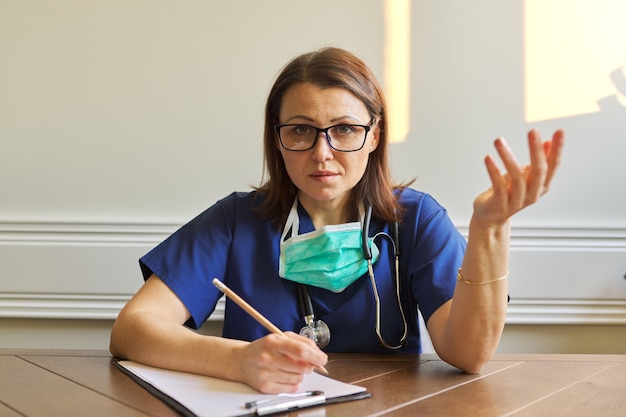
{"points": [[194, 395]]}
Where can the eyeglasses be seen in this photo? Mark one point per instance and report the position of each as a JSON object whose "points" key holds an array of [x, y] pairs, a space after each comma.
{"points": [[342, 138]]}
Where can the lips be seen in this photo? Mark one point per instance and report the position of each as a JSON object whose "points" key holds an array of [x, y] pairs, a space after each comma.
{"points": [[323, 175]]}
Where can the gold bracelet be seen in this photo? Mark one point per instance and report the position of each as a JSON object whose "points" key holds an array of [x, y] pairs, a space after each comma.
{"points": [[459, 277]]}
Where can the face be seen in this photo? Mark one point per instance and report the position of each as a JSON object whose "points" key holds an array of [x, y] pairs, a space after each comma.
{"points": [[322, 174]]}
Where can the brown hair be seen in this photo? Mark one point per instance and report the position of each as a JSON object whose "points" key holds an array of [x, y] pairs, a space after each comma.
{"points": [[329, 67]]}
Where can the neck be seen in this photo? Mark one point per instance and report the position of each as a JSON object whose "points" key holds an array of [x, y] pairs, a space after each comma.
{"points": [[325, 213]]}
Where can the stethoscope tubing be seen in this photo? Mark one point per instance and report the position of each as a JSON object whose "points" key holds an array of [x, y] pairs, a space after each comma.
{"points": [[304, 298]]}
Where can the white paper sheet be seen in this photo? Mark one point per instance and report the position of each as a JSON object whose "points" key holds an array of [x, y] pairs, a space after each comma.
{"points": [[207, 396]]}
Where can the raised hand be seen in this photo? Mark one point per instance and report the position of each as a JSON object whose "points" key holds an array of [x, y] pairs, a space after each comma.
{"points": [[521, 185]]}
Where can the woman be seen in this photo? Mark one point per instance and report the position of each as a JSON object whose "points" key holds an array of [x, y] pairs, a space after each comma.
{"points": [[325, 147]]}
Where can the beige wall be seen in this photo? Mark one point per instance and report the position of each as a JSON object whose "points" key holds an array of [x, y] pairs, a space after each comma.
{"points": [[94, 334], [120, 120]]}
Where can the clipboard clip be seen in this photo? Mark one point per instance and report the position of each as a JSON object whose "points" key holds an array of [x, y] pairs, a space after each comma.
{"points": [[285, 402]]}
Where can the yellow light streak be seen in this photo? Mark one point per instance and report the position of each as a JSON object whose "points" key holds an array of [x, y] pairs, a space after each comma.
{"points": [[397, 67], [575, 52]]}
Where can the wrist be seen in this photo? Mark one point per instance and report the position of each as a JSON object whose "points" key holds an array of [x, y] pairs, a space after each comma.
{"points": [[492, 231], [223, 357], [487, 247]]}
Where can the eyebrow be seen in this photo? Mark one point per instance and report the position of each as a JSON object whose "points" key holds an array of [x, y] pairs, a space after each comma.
{"points": [[333, 120]]}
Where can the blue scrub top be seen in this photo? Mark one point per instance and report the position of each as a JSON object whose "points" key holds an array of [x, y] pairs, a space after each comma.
{"points": [[230, 242]]}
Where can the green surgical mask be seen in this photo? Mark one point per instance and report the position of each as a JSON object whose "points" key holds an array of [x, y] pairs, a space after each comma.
{"points": [[330, 257]]}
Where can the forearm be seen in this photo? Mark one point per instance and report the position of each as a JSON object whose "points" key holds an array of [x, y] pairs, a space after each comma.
{"points": [[478, 311], [153, 340]]}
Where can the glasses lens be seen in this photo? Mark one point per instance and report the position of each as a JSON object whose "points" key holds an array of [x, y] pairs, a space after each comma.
{"points": [[347, 137], [297, 137]]}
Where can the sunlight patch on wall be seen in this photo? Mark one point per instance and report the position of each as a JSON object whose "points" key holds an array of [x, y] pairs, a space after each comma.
{"points": [[397, 67], [575, 56]]}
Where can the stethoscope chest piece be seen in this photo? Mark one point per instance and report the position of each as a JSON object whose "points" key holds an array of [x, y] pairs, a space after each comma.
{"points": [[318, 332], [314, 329]]}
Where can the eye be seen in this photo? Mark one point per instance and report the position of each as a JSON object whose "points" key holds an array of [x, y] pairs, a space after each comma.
{"points": [[302, 130], [344, 130]]}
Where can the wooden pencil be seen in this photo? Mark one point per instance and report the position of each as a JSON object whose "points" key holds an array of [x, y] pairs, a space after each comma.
{"points": [[255, 314]]}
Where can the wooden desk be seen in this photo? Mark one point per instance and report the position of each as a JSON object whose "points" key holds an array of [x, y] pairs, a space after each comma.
{"points": [[85, 383]]}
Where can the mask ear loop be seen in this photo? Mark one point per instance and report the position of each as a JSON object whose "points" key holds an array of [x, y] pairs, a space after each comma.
{"points": [[367, 254], [292, 223]]}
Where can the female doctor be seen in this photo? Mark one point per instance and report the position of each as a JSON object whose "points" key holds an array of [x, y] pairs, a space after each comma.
{"points": [[328, 243]]}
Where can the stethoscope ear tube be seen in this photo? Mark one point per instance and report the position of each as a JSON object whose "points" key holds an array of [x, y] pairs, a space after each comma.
{"points": [[306, 306], [367, 254], [367, 251], [396, 237]]}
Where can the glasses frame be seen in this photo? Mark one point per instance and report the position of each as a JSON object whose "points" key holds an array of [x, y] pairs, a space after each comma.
{"points": [[324, 130]]}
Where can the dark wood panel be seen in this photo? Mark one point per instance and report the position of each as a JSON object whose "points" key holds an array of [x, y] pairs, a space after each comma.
{"points": [[602, 394], [62, 383], [54, 352], [34, 391], [505, 392], [99, 374], [406, 384], [356, 370], [5, 411]]}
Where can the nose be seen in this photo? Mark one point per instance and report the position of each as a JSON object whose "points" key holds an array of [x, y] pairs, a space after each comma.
{"points": [[322, 151]]}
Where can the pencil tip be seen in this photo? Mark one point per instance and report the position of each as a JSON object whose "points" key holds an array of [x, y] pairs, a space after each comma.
{"points": [[321, 370]]}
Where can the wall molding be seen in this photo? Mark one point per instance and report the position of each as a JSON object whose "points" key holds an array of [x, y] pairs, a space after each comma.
{"points": [[106, 230], [75, 236], [71, 306], [102, 232], [559, 311]]}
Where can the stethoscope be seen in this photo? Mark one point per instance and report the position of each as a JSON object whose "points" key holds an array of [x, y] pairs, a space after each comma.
{"points": [[318, 331]]}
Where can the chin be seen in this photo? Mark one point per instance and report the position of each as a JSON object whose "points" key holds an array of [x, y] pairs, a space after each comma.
{"points": [[323, 194], [324, 197]]}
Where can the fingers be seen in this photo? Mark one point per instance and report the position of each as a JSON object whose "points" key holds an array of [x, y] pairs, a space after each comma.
{"points": [[271, 381], [520, 186], [276, 363], [499, 184], [553, 150], [304, 351], [537, 170], [515, 178], [544, 160]]}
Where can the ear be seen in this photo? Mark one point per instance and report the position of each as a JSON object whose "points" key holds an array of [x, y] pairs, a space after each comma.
{"points": [[375, 132]]}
